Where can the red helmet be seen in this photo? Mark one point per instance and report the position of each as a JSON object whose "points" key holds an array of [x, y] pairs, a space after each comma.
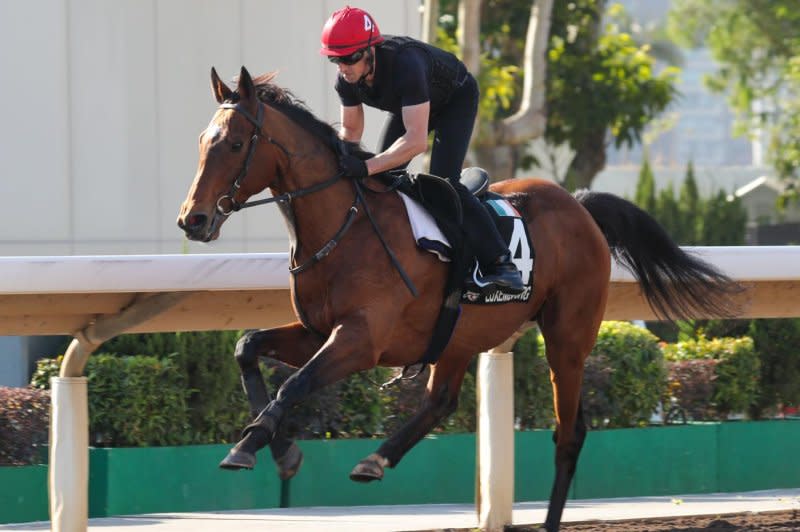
{"points": [[349, 30]]}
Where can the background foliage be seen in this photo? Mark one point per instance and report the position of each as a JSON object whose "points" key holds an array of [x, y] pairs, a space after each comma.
{"points": [[24, 425], [637, 376], [735, 367], [689, 218], [777, 344], [133, 400], [624, 379], [602, 86], [757, 46], [148, 399]]}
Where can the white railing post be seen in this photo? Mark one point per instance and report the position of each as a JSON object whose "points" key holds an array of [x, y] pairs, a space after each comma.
{"points": [[68, 476], [495, 458], [69, 412]]}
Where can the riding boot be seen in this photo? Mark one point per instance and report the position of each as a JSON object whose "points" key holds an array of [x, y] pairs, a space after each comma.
{"points": [[483, 236], [504, 273]]}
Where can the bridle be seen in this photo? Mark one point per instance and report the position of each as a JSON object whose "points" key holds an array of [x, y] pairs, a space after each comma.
{"points": [[257, 135], [284, 200]]}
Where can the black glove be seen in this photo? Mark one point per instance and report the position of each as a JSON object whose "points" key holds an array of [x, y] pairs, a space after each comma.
{"points": [[352, 166]]}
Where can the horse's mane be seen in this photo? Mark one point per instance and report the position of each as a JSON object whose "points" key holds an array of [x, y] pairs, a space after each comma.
{"points": [[287, 103]]}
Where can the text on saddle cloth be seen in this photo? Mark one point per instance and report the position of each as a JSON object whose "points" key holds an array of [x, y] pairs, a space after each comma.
{"points": [[512, 228]]}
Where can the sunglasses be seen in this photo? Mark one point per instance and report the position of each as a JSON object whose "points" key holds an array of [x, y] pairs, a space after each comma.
{"points": [[351, 59]]}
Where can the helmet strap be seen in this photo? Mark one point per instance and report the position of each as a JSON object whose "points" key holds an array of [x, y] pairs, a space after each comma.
{"points": [[370, 55], [371, 61]]}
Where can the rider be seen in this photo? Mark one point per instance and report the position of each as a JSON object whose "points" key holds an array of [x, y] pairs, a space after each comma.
{"points": [[424, 89]]}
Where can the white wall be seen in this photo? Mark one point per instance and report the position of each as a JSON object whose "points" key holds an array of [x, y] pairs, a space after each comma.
{"points": [[103, 102]]}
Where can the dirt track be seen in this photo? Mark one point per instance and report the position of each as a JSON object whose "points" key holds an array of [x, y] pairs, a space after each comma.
{"points": [[785, 521]]}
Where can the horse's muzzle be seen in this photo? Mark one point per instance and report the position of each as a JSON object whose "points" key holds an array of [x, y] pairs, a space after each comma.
{"points": [[195, 226]]}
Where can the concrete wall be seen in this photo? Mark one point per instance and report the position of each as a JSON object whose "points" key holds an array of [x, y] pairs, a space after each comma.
{"points": [[103, 102]]}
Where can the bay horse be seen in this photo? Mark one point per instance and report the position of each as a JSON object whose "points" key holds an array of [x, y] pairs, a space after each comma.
{"points": [[354, 311]]}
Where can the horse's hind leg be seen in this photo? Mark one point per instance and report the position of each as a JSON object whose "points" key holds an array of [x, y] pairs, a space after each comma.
{"points": [[569, 335], [440, 400], [291, 344]]}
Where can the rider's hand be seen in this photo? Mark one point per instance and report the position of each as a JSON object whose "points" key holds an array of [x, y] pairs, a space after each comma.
{"points": [[352, 166]]}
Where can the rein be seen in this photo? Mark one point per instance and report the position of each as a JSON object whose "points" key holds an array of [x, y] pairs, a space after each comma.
{"points": [[287, 197]]}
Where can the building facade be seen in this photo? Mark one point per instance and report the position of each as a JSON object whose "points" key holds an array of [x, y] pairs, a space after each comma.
{"points": [[103, 103]]}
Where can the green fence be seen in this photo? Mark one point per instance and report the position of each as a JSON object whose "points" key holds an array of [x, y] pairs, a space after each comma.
{"points": [[705, 458]]}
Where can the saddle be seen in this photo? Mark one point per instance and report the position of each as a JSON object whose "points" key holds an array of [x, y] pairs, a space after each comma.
{"points": [[442, 202], [439, 198]]}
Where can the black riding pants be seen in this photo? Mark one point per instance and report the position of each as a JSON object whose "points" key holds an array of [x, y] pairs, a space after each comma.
{"points": [[452, 127]]}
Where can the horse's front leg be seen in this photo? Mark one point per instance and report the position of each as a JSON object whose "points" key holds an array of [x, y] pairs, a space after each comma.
{"points": [[292, 344], [441, 400], [347, 350]]}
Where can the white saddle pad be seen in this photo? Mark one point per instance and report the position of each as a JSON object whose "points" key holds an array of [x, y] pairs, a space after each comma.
{"points": [[426, 232]]}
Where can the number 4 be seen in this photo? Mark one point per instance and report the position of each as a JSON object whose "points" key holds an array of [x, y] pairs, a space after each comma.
{"points": [[520, 250]]}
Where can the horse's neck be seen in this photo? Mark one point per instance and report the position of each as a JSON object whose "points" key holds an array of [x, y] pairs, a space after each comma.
{"points": [[313, 219]]}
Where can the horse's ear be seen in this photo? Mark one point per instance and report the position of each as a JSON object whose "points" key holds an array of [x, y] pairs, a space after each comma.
{"points": [[246, 89], [220, 91]]}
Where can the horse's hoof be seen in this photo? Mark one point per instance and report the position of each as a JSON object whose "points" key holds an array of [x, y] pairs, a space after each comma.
{"points": [[290, 462], [369, 469], [238, 459]]}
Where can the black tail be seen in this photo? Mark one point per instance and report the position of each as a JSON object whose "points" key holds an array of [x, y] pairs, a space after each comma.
{"points": [[676, 284]]}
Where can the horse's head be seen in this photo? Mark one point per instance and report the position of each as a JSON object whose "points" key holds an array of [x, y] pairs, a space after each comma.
{"points": [[233, 164]]}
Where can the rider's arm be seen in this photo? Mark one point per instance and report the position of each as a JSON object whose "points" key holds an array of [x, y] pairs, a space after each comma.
{"points": [[352, 111], [352, 123], [411, 144], [411, 83]]}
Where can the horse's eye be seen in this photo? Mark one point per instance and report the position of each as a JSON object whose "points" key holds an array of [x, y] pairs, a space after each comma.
{"points": [[237, 146]]}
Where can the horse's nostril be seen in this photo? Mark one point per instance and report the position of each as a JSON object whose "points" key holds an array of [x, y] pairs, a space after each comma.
{"points": [[193, 224], [196, 221]]}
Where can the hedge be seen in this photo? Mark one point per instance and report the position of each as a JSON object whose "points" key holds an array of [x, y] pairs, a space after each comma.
{"points": [[623, 382], [730, 368], [777, 345], [191, 394], [134, 401], [183, 388], [24, 425]]}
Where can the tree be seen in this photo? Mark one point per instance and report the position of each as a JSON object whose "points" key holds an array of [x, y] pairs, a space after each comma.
{"points": [[596, 84], [499, 133], [669, 213], [723, 222], [646, 188], [757, 46], [689, 204], [602, 88], [719, 220], [654, 34]]}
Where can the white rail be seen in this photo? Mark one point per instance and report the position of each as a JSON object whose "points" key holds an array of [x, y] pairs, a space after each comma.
{"points": [[143, 273], [97, 297], [743, 263], [258, 271]]}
